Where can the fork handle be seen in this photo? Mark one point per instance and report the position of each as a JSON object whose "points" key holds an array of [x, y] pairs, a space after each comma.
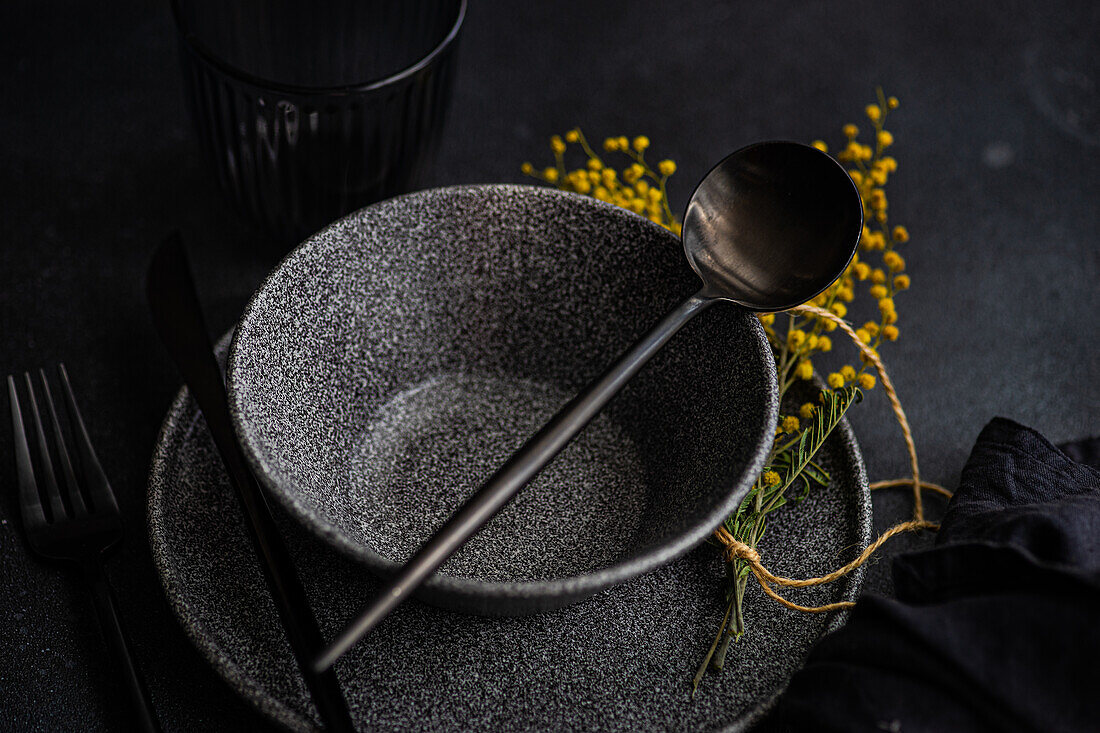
{"points": [[142, 715]]}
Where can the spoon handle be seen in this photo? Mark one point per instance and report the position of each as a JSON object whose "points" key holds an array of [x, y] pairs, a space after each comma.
{"points": [[523, 466]]}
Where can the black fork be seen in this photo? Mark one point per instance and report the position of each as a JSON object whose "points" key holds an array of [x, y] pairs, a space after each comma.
{"points": [[75, 519]]}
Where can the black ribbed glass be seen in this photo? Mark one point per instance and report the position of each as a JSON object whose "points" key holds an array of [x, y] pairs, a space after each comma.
{"points": [[310, 110]]}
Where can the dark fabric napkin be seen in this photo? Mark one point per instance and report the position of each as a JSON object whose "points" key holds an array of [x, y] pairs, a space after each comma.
{"points": [[997, 627]]}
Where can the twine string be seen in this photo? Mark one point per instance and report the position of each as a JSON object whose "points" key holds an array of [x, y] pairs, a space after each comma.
{"points": [[891, 394], [890, 483], [737, 550]]}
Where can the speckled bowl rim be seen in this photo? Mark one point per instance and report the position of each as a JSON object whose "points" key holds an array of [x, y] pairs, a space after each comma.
{"points": [[576, 586], [174, 432]]}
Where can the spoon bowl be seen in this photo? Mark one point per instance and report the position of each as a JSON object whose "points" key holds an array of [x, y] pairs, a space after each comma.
{"points": [[772, 225]]}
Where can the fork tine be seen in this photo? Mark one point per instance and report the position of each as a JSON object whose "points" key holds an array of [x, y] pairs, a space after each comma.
{"points": [[45, 461], [99, 490], [29, 500], [76, 501]]}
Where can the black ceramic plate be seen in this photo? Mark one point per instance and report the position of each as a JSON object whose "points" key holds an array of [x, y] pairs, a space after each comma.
{"points": [[621, 660]]}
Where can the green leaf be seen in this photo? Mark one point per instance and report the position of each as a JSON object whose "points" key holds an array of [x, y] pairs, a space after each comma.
{"points": [[815, 473], [835, 402]]}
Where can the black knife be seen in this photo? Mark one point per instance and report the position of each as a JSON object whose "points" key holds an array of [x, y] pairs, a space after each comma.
{"points": [[177, 315]]}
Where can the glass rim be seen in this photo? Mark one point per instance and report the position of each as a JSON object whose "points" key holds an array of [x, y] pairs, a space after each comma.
{"points": [[204, 52]]}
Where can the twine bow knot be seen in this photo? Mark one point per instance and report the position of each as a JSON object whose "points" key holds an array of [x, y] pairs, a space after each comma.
{"points": [[737, 550]]}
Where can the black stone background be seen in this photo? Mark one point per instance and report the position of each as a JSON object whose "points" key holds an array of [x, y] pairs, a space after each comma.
{"points": [[998, 139]]}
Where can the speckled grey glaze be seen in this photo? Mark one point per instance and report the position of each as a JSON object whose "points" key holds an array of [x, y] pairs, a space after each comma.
{"points": [[389, 364], [622, 660]]}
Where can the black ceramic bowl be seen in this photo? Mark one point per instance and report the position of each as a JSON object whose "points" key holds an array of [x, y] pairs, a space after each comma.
{"points": [[391, 362]]}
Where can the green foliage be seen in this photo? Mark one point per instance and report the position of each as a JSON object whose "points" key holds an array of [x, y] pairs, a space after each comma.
{"points": [[792, 460]]}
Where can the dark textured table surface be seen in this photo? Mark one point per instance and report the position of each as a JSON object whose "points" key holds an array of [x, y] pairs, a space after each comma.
{"points": [[998, 140]]}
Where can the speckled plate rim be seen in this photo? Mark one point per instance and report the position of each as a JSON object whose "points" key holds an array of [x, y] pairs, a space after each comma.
{"points": [[178, 428], [575, 587]]}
